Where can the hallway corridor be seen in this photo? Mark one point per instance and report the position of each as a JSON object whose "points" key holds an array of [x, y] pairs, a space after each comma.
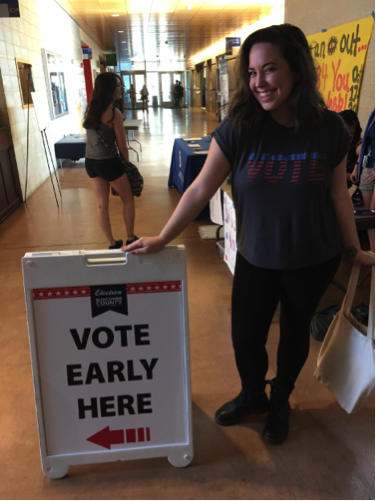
{"points": [[328, 454]]}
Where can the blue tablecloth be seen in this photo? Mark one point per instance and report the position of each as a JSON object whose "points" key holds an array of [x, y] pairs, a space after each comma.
{"points": [[72, 146], [186, 165]]}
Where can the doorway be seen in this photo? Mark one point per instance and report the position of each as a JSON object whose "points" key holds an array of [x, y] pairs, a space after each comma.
{"points": [[137, 79], [153, 88], [166, 90], [167, 82]]}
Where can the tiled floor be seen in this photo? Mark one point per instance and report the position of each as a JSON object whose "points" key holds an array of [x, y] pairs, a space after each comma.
{"points": [[328, 455]]}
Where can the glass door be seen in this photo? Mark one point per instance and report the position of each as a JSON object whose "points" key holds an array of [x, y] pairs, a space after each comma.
{"points": [[127, 81], [137, 78], [178, 77], [153, 87], [187, 90], [167, 94]]}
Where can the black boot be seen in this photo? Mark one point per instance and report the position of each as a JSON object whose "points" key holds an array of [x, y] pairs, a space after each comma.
{"points": [[117, 245], [131, 240], [237, 409], [277, 423]]}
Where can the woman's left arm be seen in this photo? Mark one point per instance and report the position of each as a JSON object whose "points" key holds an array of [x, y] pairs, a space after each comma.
{"points": [[120, 134], [345, 215], [359, 147]]}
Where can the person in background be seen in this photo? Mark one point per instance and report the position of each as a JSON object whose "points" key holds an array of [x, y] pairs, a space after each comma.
{"points": [[104, 116], [287, 154], [180, 92], [132, 95], [145, 98], [364, 171], [353, 126], [175, 91]]}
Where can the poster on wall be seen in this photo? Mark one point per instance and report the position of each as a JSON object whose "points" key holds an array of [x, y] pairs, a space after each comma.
{"points": [[230, 232], [55, 82], [232, 42], [223, 77], [339, 55]]}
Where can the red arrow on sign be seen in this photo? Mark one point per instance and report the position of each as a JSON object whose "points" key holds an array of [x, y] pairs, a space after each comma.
{"points": [[106, 437]]}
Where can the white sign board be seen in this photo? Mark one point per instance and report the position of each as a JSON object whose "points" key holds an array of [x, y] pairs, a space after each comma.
{"points": [[230, 232], [41, 109], [216, 208], [109, 346]]}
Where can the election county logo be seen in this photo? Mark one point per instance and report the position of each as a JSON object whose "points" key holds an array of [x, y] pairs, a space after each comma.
{"points": [[108, 298]]}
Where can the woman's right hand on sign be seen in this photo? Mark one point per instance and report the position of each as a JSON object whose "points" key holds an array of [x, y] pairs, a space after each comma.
{"points": [[144, 245], [215, 170]]}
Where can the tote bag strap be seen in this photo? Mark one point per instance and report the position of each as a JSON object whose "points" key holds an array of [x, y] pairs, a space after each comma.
{"points": [[349, 298], [110, 147], [371, 313], [351, 289]]}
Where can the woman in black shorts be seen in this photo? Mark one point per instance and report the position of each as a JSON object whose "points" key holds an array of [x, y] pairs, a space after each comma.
{"points": [[104, 124]]}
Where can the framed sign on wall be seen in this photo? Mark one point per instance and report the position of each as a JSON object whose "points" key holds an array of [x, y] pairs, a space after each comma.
{"points": [[55, 82], [25, 81]]}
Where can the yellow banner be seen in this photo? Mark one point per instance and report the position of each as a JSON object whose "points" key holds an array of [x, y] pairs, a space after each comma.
{"points": [[339, 56]]}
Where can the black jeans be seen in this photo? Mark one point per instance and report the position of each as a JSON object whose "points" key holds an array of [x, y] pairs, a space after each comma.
{"points": [[255, 296]]}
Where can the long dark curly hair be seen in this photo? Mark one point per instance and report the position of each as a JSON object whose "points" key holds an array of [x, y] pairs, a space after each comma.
{"points": [[351, 118], [305, 101], [101, 98]]}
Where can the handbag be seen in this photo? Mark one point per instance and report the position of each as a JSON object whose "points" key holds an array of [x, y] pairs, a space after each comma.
{"points": [[346, 362], [357, 198], [134, 175]]}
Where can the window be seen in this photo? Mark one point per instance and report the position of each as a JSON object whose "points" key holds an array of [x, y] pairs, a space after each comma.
{"points": [[55, 82]]}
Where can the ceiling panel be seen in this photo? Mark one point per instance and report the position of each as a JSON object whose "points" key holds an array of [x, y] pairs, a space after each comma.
{"points": [[189, 26]]}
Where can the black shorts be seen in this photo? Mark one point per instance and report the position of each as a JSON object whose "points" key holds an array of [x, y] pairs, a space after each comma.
{"points": [[109, 169]]}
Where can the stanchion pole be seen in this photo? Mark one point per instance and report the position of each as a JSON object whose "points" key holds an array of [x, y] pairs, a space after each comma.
{"points": [[52, 161]]}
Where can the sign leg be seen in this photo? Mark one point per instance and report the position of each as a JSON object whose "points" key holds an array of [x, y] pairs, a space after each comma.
{"points": [[55, 471], [180, 460]]}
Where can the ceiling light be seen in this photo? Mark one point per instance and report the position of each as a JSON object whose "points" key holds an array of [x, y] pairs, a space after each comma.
{"points": [[115, 15], [120, 31], [123, 42]]}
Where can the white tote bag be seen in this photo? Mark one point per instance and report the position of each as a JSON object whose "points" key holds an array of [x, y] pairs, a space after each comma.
{"points": [[346, 362]]}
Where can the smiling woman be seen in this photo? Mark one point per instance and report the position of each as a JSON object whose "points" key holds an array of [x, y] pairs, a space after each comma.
{"points": [[287, 154], [271, 81], [287, 48]]}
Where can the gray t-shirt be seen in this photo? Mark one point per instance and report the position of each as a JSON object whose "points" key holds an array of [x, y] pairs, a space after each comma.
{"points": [[281, 189], [95, 148]]}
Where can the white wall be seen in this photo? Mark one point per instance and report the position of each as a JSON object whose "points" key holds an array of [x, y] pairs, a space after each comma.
{"points": [[313, 16], [43, 24]]}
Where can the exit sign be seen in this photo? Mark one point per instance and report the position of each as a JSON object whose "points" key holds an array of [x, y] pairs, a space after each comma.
{"points": [[111, 60]]}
